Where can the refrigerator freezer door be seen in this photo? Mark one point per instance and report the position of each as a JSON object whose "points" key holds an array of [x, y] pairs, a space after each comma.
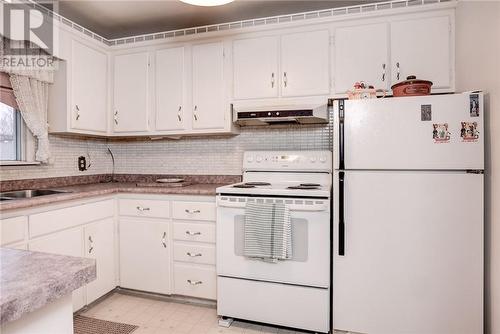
{"points": [[413, 133], [413, 258]]}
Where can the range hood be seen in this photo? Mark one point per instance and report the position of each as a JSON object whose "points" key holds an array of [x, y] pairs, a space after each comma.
{"points": [[280, 114]]}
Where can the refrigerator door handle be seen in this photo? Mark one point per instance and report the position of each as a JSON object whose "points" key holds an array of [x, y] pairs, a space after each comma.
{"points": [[341, 134], [341, 214]]}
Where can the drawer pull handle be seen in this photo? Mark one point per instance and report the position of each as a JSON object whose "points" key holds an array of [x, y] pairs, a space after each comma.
{"points": [[193, 255], [192, 211], [194, 282], [141, 209], [163, 240], [193, 233]]}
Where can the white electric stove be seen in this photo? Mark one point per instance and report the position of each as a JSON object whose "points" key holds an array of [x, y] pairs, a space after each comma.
{"points": [[292, 293]]}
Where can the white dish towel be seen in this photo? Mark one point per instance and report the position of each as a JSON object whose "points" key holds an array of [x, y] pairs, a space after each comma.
{"points": [[268, 232]]}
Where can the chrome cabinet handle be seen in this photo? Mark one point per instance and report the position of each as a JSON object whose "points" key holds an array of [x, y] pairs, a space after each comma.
{"points": [[179, 114], [141, 209], [164, 240], [193, 233], [77, 112], [193, 255], [192, 211], [194, 282], [195, 115], [398, 70], [383, 72], [91, 242], [116, 117], [272, 80], [285, 79]]}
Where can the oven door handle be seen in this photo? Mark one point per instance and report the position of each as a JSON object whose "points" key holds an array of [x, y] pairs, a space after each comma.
{"points": [[341, 214]]}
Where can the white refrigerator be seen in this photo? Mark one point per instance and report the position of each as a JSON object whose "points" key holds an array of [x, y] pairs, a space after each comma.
{"points": [[408, 215]]}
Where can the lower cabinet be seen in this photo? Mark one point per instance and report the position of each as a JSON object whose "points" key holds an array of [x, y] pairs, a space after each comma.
{"points": [[93, 237], [100, 245], [69, 242], [145, 255]]}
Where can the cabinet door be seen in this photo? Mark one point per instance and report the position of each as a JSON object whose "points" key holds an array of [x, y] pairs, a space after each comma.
{"points": [[170, 89], [100, 245], [305, 63], [209, 105], [89, 88], [131, 93], [361, 54], [69, 242], [255, 67], [144, 255], [422, 47]]}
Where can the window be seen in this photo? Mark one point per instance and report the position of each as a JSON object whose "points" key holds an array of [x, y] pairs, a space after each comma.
{"points": [[10, 133], [17, 144]]}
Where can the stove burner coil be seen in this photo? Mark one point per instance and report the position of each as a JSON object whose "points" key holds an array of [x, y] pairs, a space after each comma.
{"points": [[303, 187], [257, 183], [243, 186]]}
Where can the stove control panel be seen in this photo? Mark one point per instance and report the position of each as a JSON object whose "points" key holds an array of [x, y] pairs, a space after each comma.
{"points": [[288, 160]]}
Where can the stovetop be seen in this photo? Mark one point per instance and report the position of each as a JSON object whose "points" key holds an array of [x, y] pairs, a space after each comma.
{"points": [[287, 189]]}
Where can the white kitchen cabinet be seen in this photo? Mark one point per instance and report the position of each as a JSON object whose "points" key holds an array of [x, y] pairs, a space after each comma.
{"points": [[131, 92], [89, 88], [305, 63], [255, 67], [68, 242], [208, 101], [78, 97], [145, 255], [170, 89], [423, 47], [100, 245], [361, 54]]}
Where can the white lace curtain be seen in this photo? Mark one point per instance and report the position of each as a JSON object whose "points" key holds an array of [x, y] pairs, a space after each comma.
{"points": [[31, 89]]}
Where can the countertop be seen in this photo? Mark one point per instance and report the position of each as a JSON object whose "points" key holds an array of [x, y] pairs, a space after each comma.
{"points": [[31, 280], [100, 189]]}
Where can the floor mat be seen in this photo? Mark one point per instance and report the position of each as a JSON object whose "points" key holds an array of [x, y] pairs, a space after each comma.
{"points": [[86, 325]]}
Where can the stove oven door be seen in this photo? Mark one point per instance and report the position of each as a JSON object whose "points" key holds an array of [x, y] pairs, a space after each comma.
{"points": [[310, 265]]}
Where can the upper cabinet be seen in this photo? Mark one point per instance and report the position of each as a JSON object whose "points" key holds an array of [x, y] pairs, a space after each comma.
{"points": [[290, 65], [255, 67], [385, 53], [208, 102], [78, 97], [305, 64], [170, 89], [131, 96], [422, 47], [361, 54]]}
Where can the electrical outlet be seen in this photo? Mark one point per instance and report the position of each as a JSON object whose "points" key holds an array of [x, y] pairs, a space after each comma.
{"points": [[82, 164]]}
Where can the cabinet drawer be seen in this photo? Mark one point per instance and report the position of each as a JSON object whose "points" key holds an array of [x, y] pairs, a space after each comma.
{"points": [[13, 230], [144, 208], [201, 232], [195, 281], [194, 253], [194, 210], [55, 220]]}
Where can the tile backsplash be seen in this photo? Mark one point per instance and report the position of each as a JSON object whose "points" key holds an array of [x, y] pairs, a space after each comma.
{"points": [[190, 155]]}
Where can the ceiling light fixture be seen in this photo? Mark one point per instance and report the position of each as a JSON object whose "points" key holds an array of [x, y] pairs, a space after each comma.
{"points": [[207, 3]]}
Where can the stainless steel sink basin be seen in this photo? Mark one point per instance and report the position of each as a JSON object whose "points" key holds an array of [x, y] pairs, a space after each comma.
{"points": [[9, 195]]}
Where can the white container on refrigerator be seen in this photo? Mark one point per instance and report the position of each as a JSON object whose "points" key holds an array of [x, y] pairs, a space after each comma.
{"points": [[408, 216]]}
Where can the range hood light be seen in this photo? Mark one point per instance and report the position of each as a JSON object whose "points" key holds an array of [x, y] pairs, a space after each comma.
{"points": [[207, 3]]}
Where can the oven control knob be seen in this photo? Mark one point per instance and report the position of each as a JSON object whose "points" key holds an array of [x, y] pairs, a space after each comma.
{"points": [[322, 159], [249, 158], [258, 158], [313, 159]]}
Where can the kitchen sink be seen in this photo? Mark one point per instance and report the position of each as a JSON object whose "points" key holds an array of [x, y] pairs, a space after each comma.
{"points": [[9, 195]]}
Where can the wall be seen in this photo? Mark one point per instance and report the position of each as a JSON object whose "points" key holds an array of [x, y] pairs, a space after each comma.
{"points": [[196, 155], [478, 67]]}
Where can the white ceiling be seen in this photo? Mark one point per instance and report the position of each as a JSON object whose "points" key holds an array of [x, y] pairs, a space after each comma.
{"points": [[118, 18]]}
